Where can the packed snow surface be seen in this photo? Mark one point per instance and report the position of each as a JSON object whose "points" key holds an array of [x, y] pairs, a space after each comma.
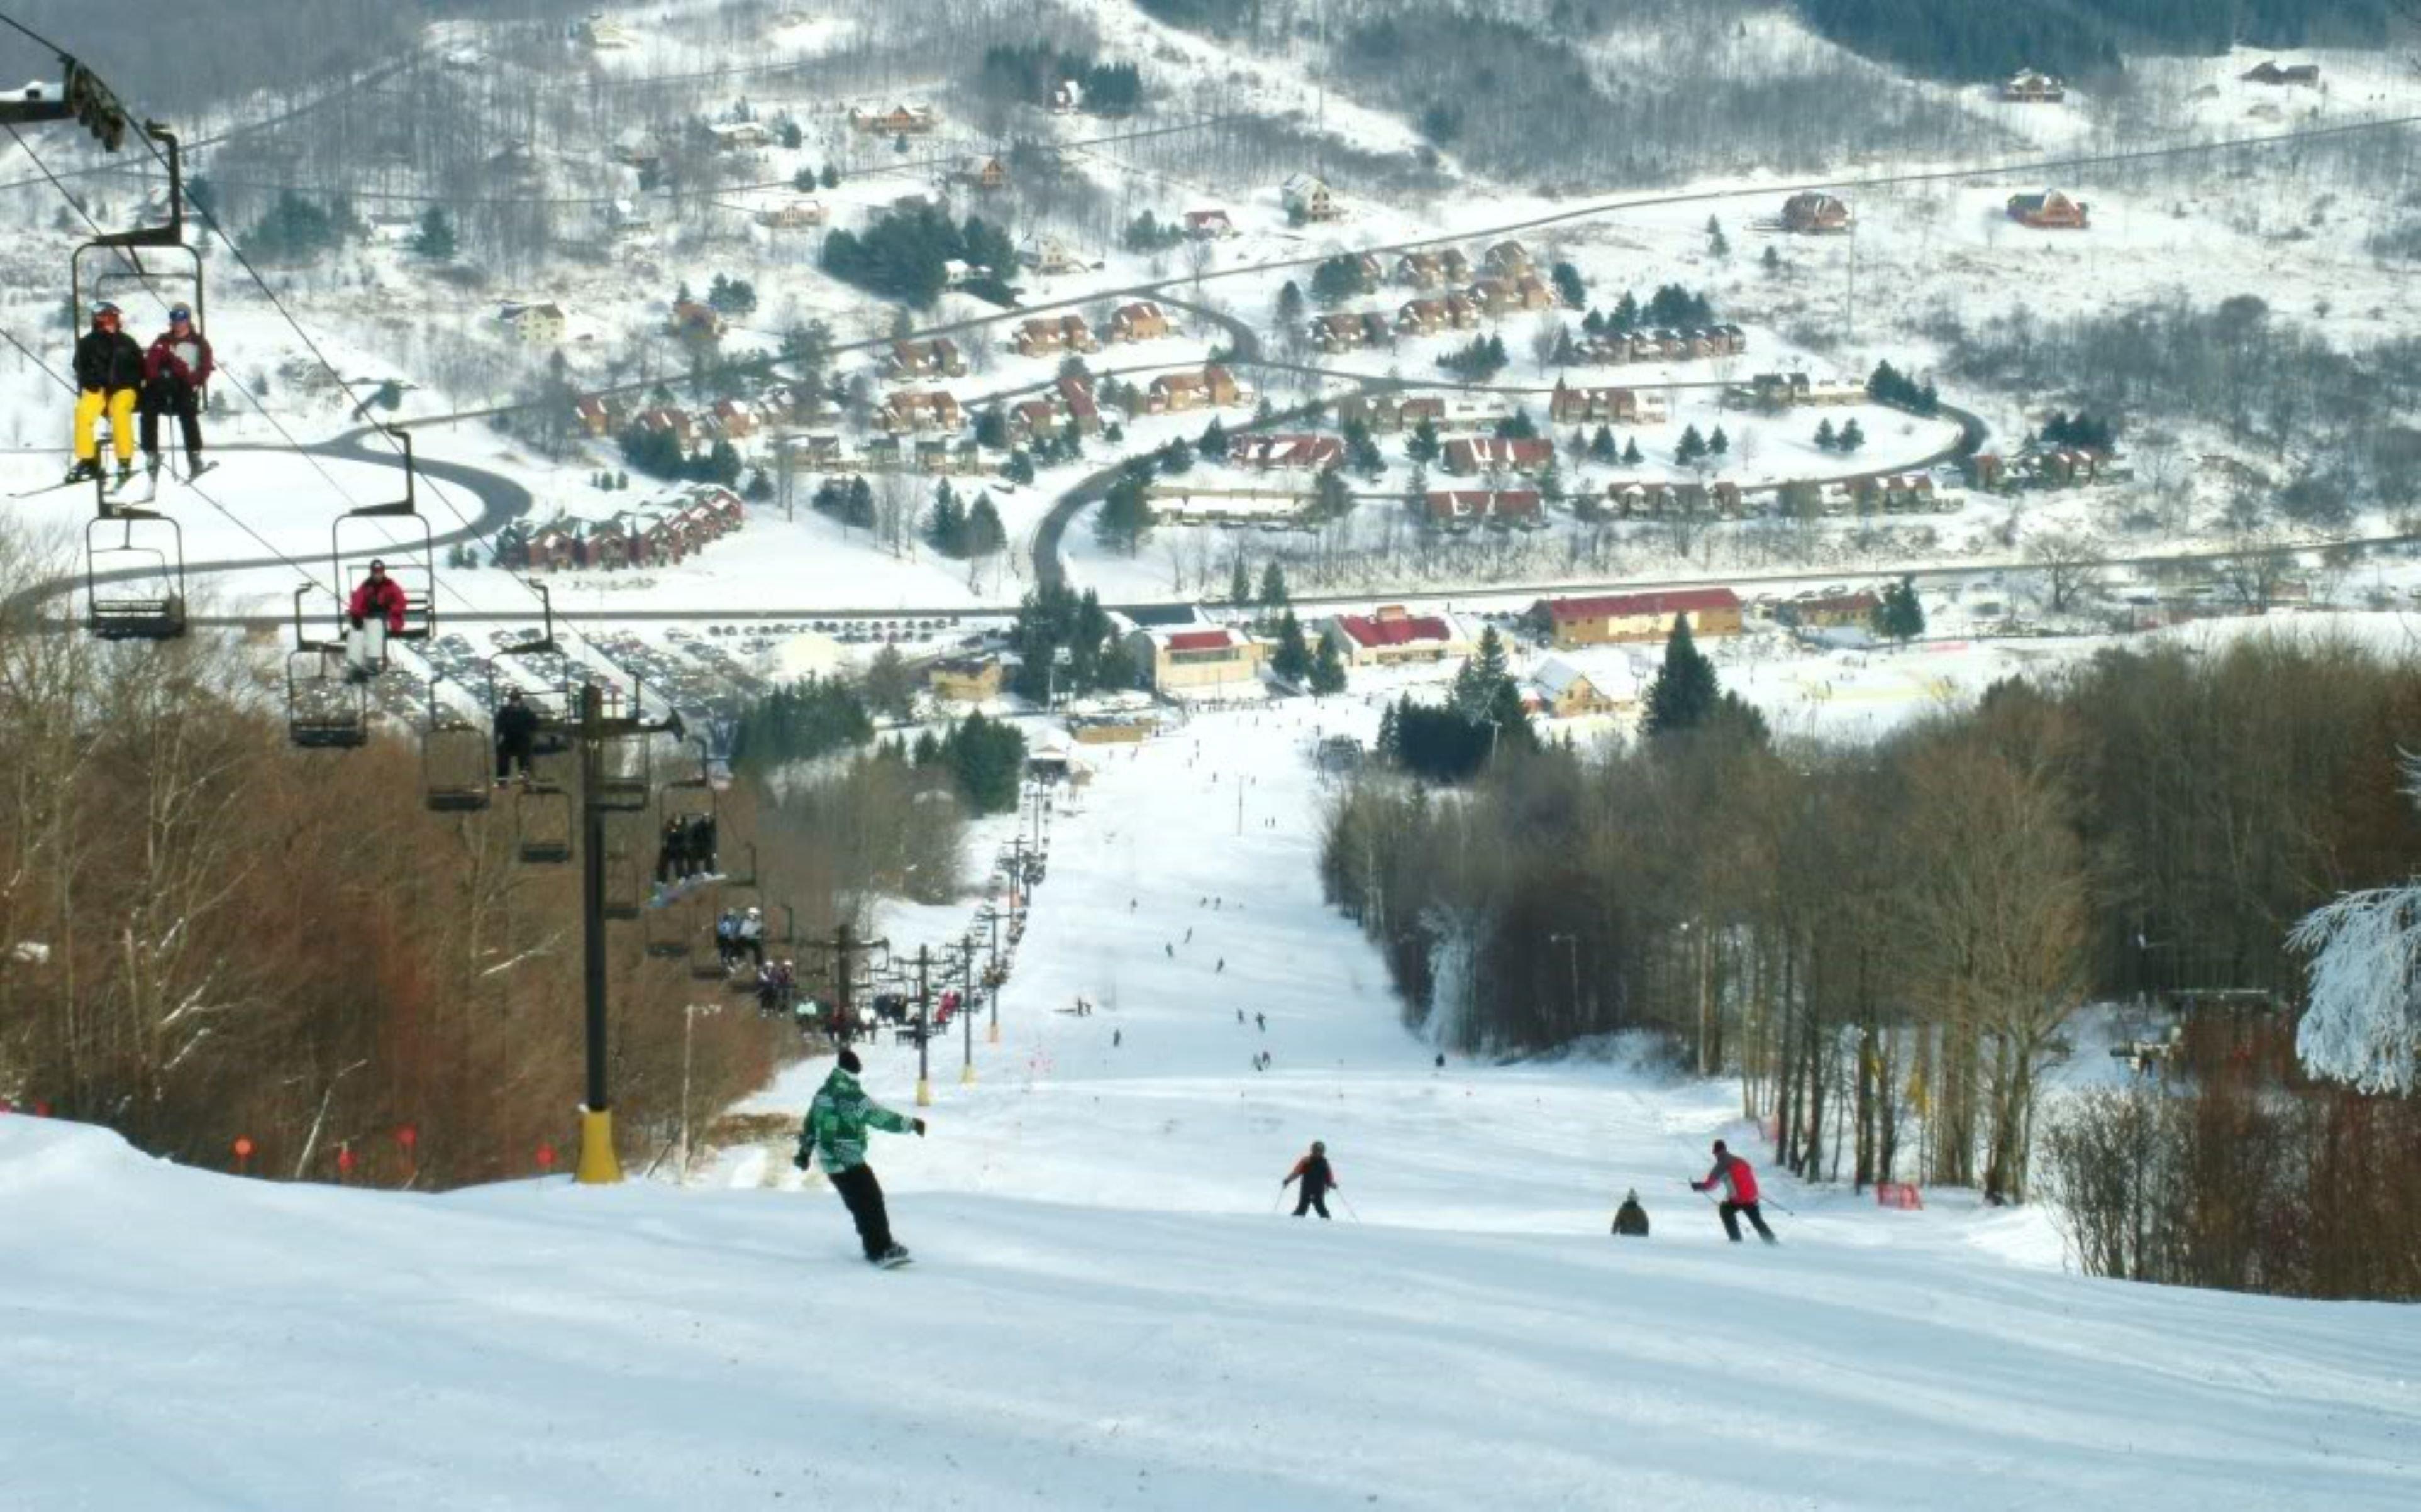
{"points": [[1107, 1308]]}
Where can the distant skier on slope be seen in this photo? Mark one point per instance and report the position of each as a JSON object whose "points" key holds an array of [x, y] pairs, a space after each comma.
{"points": [[1630, 1219], [1316, 1176], [1738, 1182], [834, 1131]]}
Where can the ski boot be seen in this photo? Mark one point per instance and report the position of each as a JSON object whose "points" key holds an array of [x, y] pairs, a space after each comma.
{"points": [[85, 472], [125, 473], [892, 1259]]}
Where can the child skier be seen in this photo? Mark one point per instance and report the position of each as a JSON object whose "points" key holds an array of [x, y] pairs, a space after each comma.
{"points": [[834, 1131], [1630, 1219], [1313, 1170]]}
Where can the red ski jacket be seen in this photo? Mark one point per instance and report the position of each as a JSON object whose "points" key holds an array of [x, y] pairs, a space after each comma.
{"points": [[378, 596], [1738, 1182]]}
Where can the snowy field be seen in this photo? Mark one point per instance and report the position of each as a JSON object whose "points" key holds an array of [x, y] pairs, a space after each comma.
{"points": [[1107, 1310]]}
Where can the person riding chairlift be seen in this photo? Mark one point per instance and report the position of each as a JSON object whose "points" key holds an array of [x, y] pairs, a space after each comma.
{"points": [[374, 613]]}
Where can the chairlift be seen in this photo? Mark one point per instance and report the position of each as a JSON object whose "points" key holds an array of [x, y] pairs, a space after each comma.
{"points": [[325, 710], [135, 584], [667, 940], [624, 894], [396, 533], [625, 768], [453, 759], [542, 824]]}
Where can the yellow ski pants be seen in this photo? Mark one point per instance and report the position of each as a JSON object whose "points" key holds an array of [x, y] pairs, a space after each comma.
{"points": [[89, 403]]}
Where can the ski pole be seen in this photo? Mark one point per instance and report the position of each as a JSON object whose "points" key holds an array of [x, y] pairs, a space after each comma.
{"points": [[1348, 1204]]}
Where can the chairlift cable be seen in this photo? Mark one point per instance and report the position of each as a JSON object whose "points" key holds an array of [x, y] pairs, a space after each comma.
{"points": [[212, 222], [10, 337]]}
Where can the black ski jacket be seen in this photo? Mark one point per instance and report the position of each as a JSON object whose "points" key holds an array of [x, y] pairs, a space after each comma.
{"points": [[108, 361], [516, 727]]}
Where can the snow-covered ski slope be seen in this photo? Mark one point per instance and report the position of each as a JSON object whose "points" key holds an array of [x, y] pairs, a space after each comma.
{"points": [[1106, 1311]]}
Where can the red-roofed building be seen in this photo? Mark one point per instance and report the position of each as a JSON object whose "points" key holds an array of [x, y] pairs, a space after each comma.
{"points": [[1196, 657], [1392, 635], [1636, 616]]}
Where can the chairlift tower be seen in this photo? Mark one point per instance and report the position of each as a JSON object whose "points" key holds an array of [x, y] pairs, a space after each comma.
{"points": [[590, 731]]}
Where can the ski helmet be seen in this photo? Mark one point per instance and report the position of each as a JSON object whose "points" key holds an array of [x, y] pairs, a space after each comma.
{"points": [[105, 307], [178, 312]]}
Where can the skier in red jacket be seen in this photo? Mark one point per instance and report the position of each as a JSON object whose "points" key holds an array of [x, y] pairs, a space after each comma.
{"points": [[1738, 1182], [374, 611], [1319, 1180]]}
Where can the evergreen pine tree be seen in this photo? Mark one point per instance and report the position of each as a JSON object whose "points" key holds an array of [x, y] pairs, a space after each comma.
{"points": [[1685, 688], [1630, 456], [1900, 615], [985, 532], [1212, 444], [1718, 445], [1601, 445], [1389, 746], [1693, 446], [1422, 447], [1273, 587], [1240, 583], [1826, 439], [1292, 660], [1327, 667], [1126, 516], [1851, 437]]}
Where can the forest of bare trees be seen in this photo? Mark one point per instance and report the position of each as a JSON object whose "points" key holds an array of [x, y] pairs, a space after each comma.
{"points": [[1888, 943], [206, 934]]}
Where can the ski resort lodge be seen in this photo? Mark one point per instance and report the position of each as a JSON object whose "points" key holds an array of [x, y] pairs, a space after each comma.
{"points": [[1636, 616]]}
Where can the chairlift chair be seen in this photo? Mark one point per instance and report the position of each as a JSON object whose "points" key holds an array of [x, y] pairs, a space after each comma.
{"points": [[324, 710], [453, 759], [625, 893], [134, 586], [542, 824], [393, 532], [662, 935]]}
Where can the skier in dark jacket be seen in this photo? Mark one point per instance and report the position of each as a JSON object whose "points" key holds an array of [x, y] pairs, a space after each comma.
{"points": [[174, 371], [109, 379], [1630, 1219], [516, 736], [671, 852], [700, 844], [835, 1133], [1317, 1178], [1738, 1182]]}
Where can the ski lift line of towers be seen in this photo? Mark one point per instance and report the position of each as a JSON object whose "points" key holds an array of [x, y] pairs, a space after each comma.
{"points": [[136, 590]]}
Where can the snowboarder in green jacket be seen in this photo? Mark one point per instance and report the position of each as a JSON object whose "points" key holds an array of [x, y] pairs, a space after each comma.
{"points": [[834, 1131]]}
